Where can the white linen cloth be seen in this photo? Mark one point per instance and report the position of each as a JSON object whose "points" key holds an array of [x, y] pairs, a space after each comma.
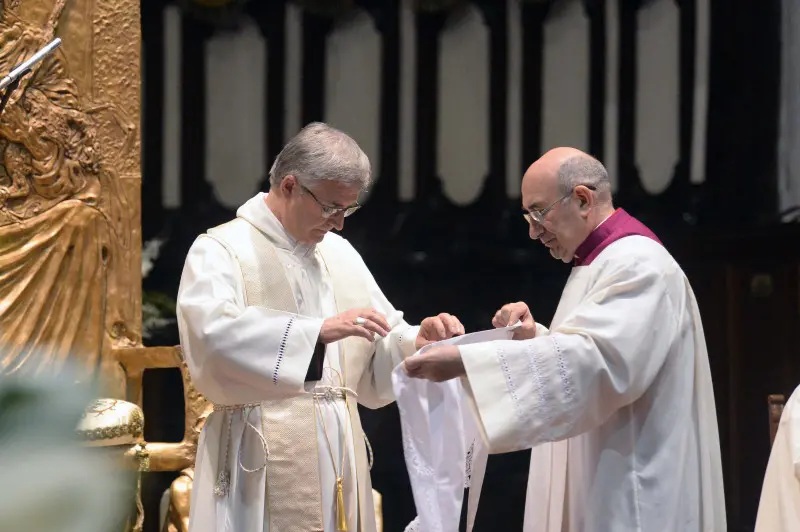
{"points": [[443, 449]]}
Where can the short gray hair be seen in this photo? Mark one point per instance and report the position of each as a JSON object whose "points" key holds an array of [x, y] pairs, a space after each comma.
{"points": [[320, 152], [584, 170]]}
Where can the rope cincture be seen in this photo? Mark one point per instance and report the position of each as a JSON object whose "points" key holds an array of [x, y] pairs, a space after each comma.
{"points": [[222, 486]]}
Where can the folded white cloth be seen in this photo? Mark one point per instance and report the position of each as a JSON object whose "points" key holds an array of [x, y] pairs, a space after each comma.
{"points": [[413, 526], [444, 451]]}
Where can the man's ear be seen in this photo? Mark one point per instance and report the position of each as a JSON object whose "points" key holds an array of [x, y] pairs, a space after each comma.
{"points": [[584, 196], [287, 184]]}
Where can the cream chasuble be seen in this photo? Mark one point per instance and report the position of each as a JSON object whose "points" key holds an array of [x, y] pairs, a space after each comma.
{"points": [[779, 508], [615, 399], [250, 307]]}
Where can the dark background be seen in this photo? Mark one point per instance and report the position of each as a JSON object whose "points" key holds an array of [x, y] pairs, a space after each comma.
{"points": [[430, 255]]}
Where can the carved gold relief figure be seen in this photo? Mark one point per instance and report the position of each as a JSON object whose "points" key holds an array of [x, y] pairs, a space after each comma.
{"points": [[67, 232]]}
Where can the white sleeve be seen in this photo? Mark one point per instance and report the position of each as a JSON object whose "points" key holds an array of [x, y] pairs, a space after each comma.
{"points": [[571, 380], [375, 386], [237, 354]]}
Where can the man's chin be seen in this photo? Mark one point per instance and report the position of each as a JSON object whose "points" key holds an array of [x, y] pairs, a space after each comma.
{"points": [[317, 236], [559, 254]]}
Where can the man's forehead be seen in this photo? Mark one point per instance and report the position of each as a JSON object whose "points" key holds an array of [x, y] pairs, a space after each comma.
{"points": [[536, 190], [337, 194]]}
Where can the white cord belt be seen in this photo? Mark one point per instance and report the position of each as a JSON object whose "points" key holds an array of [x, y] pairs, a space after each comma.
{"points": [[328, 393]]}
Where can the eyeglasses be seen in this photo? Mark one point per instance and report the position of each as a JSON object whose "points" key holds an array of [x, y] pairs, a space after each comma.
{"points": [[329, 211], [538, 216]]}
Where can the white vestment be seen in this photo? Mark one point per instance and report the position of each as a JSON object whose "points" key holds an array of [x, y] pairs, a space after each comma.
{"points": [[239, 354], [779, 508], [615, 400]]}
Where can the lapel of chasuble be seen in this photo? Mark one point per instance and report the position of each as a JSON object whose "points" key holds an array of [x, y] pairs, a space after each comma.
{"points": [[289, 424]]}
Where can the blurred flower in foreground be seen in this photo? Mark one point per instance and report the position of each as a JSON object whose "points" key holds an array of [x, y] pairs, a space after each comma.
{"points": [[48, 481]]}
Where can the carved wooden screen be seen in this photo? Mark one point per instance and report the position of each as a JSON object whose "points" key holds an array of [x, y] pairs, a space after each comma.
{"points": [[70, 271]]}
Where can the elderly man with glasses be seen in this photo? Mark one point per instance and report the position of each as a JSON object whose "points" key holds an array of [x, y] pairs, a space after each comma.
{"points": [[285, 330], [615, 399]]}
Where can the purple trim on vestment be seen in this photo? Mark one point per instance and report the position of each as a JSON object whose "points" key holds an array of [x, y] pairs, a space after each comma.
{"points": [[618, 225]]}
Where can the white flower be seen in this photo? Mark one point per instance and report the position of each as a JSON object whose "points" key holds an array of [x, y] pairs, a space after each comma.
{"points": [[152, 320], [150, 252]]}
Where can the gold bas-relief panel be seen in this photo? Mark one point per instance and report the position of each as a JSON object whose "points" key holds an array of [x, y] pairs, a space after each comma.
{"points": [[70, 238]]}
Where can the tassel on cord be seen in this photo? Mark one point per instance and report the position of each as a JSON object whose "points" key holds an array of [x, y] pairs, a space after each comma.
{"points": [[341, 517], [223, 484]]}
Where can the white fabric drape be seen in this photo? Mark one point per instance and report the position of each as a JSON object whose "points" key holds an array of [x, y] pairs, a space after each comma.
{"points": [[443, 447]]}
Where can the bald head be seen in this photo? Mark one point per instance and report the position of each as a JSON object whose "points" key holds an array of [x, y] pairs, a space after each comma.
{"points": [[567, 168], [567, 193]]}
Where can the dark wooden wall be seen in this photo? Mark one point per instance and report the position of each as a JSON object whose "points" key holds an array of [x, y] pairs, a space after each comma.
{"points": [[748, 290], [430, 255]]}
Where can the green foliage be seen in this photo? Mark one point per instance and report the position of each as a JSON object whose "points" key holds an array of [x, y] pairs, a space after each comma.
{"points": [[158, 311]]}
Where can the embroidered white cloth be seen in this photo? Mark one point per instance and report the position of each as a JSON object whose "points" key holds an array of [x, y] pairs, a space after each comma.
{"points": [[443, 450]]}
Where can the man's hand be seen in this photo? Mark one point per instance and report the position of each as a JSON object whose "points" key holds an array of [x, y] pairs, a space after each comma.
{"points": [[440, 363], [510, 314], [363, 322], [437, 328]]}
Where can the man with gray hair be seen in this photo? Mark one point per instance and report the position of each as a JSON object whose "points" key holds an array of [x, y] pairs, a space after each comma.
{"points": [[615, 399], [285, 330]]}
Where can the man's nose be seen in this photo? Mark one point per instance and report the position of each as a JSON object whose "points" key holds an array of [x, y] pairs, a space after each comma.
{"points": [[338, 221], [535, 230]]}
